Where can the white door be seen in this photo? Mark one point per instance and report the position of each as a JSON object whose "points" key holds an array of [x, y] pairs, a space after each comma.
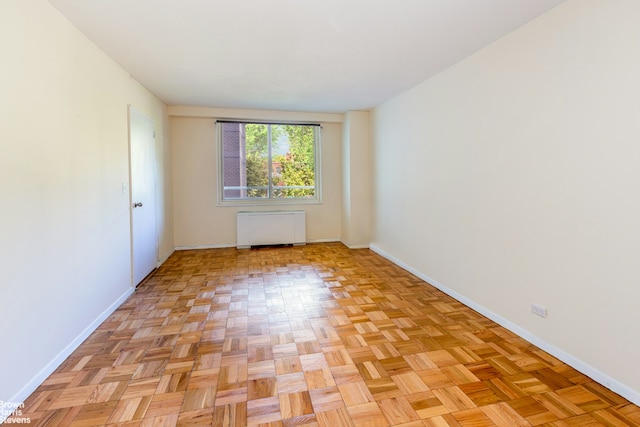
{"points": [[143, 195]]}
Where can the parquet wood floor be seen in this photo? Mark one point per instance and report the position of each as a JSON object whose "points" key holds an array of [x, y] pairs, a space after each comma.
{"points": [[317, 335]]}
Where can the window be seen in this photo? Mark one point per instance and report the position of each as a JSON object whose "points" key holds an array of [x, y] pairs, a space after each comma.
{"points": [[268, 162]]}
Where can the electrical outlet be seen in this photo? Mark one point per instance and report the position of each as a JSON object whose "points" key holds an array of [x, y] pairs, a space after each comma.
{"points": [[539, 310]]}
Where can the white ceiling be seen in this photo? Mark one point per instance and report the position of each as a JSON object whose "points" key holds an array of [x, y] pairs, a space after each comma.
{"points": [[300, 55]]}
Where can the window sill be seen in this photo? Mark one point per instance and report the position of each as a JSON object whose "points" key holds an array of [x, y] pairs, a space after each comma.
{"points": [[265, 203]]}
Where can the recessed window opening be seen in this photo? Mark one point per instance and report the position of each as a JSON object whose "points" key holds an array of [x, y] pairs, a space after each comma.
{"points": [[268, 162]]}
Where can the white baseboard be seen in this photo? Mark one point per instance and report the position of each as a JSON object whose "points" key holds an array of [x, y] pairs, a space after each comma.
{"points": [[233, 245], [219, 246], [594, 373], [331, 240], [44, 373]]}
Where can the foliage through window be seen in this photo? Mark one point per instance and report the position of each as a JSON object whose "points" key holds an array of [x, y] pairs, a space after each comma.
{"points": [[262, 161]]}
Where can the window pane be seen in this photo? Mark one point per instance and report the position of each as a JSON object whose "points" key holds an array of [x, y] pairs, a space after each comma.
{"points": [[295, 163], [233, 161], [245, 156], [257, 161]]}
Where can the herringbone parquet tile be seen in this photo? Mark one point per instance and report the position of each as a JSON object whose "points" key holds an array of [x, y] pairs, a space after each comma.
{"points": [[318, 335]]}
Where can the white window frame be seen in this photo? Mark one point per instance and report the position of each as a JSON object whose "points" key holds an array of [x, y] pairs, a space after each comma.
{"points": [[257, 201]]}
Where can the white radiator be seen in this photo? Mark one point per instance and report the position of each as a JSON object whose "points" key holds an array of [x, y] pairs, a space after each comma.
{"points": [[271, 228]]}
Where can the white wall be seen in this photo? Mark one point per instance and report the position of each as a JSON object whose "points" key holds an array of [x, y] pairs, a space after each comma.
{"points": [[513, 178], [356, 179], [64, 228], [199, 221]]}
